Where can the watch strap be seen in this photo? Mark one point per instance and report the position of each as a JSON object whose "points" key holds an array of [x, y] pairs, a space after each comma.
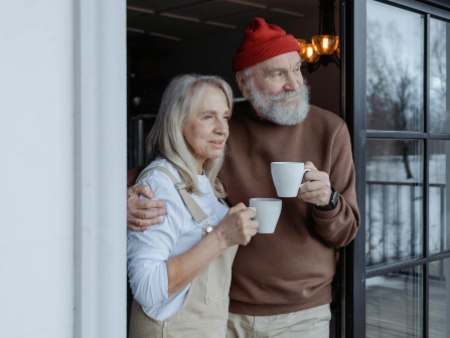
{"points": [[334, 198]]}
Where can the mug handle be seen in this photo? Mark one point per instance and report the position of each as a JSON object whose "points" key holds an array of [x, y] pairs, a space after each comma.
{"points": [[304, 172], [253, 218]]}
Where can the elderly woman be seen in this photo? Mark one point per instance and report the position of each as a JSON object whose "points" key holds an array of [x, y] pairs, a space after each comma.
{"points": [[180, 270]]}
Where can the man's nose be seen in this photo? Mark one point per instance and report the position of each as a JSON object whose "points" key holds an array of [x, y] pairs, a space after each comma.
{"points": [[293, 81]]}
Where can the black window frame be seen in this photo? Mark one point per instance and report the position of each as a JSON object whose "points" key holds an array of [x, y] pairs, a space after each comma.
{"points": [[351, 320]]}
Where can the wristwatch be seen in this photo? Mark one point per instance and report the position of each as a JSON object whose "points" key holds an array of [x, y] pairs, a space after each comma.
{"points": [[334, 198]]}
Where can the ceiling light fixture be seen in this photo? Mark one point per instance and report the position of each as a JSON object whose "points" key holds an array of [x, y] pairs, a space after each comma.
{"points": [[324, 47]]}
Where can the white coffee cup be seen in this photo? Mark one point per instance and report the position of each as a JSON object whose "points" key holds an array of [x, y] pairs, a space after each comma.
{"points": [[268, 212], [287, 177]]}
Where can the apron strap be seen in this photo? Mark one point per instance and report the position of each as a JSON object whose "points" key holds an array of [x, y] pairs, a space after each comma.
{"points": [[193, 207]]}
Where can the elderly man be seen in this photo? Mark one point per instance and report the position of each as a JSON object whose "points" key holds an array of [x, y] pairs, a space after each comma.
{"points": [[282, 282]]}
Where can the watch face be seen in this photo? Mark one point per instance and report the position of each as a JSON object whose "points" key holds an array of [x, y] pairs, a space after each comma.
{"points": [[334, 198]]}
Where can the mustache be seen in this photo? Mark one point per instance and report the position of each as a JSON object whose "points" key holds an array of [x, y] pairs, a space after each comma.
{"points": [[272, 107], [281, 97]]}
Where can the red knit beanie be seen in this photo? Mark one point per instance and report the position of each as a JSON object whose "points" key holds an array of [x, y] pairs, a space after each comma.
{"points": [[262, 41]]}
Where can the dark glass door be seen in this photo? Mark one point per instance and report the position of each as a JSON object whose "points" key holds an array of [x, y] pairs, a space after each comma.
{"points": [[399, 101]]}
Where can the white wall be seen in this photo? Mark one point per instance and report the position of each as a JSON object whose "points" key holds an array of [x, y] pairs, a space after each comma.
{"points": [[36, 171], [62, 244]]}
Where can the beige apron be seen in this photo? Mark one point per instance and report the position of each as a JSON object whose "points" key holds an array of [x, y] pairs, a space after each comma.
{"points": [[204, 313]]}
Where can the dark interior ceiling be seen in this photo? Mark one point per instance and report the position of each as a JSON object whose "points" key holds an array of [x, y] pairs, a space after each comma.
{"points": [[165, 38], [184, 20]]}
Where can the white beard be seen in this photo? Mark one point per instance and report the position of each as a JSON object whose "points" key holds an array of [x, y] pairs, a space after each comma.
{"points": [[274, 108]]}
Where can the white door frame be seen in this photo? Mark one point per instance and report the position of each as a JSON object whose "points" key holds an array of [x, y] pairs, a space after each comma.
{"points": [[100, 168]]}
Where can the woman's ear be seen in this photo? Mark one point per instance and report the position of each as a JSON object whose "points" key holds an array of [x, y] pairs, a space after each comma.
{"points": [[242, 84]]}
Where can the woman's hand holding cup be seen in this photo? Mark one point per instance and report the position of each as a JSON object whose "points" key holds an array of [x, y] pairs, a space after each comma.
{"points": [[238, 226]]}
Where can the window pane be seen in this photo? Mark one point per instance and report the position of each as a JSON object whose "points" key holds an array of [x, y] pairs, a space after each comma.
{"points": [[439, 198], [439, 76], [395, 63], [439, 303], [394, 304], [394, 205]]}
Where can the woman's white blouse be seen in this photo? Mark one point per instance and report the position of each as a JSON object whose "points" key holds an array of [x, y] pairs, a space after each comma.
{"points": [[148, 251]]}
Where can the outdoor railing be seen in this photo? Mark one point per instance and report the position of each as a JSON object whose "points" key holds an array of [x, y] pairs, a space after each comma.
{"points": [[394, 218]]}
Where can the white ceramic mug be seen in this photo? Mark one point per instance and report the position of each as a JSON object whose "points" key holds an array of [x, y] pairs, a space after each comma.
{"points": [[268, 212], [287, 177]]}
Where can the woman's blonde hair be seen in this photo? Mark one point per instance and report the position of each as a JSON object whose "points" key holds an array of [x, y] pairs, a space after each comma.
{"points": [[180, 101]]}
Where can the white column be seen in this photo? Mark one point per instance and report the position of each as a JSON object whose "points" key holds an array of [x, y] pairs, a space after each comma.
{"points": [[100, 173]]}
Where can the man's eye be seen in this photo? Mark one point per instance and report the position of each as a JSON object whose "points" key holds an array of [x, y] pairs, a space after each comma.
{"points": [[277, 74]]}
